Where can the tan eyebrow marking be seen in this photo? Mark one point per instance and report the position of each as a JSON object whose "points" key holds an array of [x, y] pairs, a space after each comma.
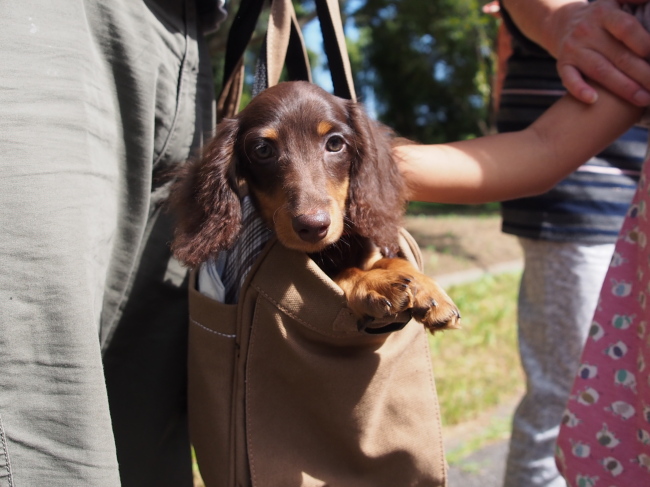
{"points": [[270, 133], [323, 128]]}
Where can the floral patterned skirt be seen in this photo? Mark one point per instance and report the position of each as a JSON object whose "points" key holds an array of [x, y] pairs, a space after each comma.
{"points": [[605, 433]]}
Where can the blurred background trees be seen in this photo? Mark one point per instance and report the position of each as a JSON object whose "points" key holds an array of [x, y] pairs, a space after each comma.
{"points": [[423, 67], [428, 64]]}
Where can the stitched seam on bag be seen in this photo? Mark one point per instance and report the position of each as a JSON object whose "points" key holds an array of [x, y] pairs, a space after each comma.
{"points": [[247, 382], [194, 322], [292, 315], [432, 382], [5, 453]]}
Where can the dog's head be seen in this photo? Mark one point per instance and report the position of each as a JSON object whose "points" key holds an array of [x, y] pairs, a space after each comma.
{"points": [[316, 166]]}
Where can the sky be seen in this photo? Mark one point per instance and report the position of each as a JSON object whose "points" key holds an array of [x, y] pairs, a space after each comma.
{"points": [[314, 41]]}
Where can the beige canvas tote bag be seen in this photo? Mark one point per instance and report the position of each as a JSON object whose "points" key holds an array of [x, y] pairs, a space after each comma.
{"points": [[285, 391]]}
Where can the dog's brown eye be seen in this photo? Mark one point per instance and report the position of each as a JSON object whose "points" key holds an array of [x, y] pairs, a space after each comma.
{"points": [[263, 150], [334, 143]]}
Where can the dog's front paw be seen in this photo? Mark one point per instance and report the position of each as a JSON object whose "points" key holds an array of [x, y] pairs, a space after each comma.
{"points": [[380, 293], [393, 286], [433, 307]]}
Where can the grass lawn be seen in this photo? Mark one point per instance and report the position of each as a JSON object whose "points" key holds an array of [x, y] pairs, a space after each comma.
{"points": [[476, 368]]}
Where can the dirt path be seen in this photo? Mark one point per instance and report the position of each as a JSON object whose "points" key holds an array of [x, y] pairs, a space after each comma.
{"points": [[458, 243]]}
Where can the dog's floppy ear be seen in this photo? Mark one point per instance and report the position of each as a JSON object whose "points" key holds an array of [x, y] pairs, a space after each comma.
{"points": [[205, 200], [377, 190]]}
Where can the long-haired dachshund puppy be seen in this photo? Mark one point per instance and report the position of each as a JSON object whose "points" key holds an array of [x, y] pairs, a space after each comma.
{"points": [[322, 177]]}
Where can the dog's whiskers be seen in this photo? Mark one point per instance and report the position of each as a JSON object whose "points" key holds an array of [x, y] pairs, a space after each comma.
{"points": [[246, 153], [276, 212], [345, 242], [347, 224]]}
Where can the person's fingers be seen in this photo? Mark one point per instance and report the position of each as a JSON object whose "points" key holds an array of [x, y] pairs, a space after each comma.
{"points": [[609, 46], [594, 65], [633, 74], [631, 56], [576, 85], [629, 31]]}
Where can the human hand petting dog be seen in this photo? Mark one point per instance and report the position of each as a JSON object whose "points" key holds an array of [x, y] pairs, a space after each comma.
{"points": [[322, 176]]}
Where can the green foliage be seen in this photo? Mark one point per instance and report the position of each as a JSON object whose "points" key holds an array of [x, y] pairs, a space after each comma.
{"points": [[444, 209], [429, 65], [478, 367], [426, 65]]}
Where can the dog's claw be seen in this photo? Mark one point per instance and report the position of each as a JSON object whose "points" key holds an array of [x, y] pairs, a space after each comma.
{"points": [[388, 289]]}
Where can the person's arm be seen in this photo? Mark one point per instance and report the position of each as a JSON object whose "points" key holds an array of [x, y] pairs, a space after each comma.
{"points": [[595, 40], [516, 164]]}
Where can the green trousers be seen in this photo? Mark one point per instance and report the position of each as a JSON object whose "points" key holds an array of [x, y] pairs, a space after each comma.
{"points": [[98, 100]]}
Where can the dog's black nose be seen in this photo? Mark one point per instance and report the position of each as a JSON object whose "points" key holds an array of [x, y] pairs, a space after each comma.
{"points": [[312, 227]]}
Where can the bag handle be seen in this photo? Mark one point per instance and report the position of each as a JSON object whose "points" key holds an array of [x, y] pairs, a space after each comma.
{"points": [[329, 15], [241, 31], [278, 44], [283, 43]]}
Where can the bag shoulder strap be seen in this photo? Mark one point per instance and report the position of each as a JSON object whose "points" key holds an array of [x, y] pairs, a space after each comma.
{"points": [[239, 36], [329, 15], [283, 43]]}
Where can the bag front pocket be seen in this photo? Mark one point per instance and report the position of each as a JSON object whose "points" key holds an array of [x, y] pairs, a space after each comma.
{"points": [[211, 365], [326, 404], [285, 390], [340, 410]]}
